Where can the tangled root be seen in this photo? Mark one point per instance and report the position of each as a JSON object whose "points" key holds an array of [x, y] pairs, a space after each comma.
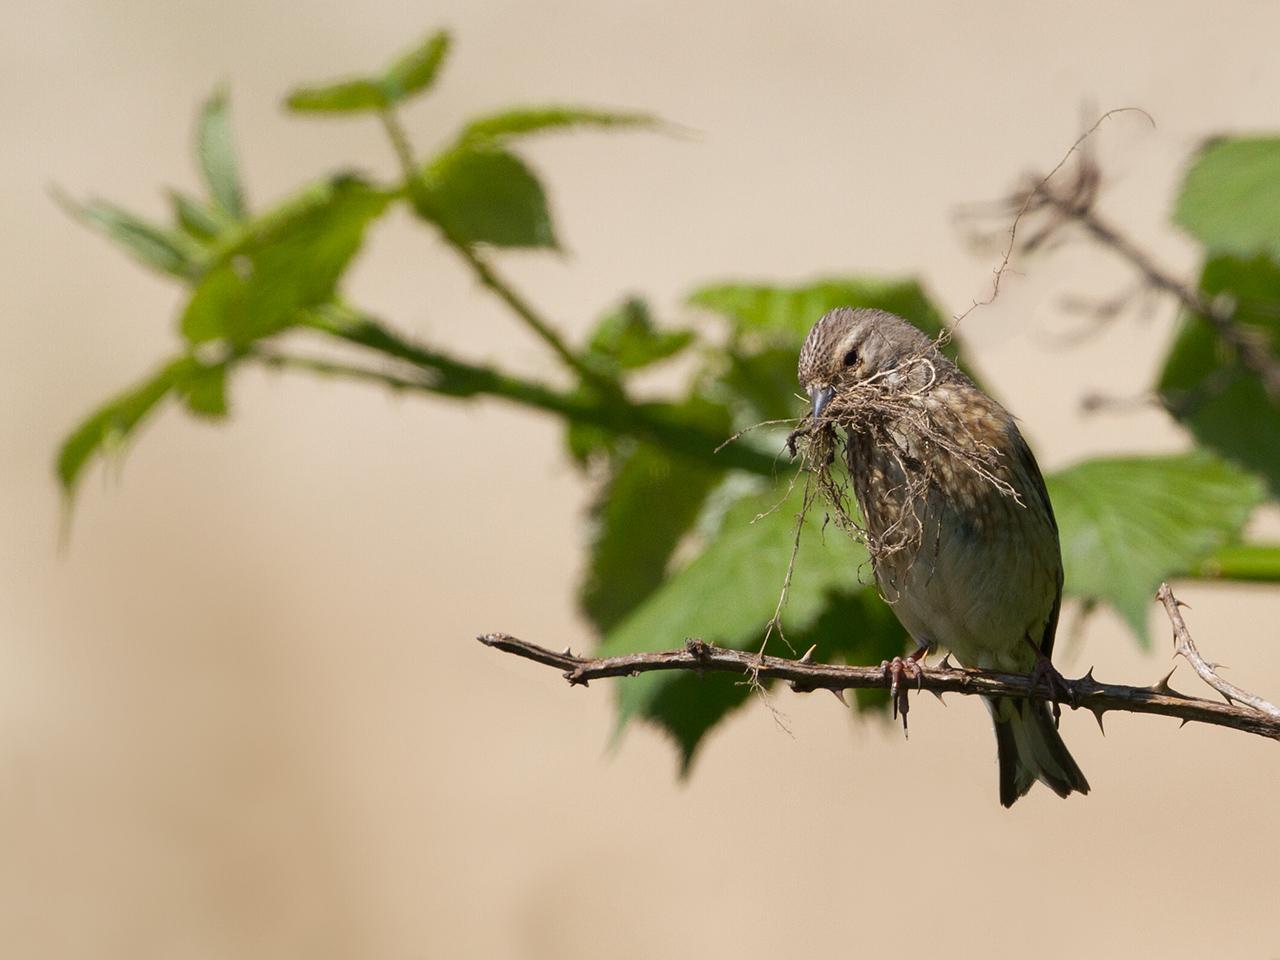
{"points": [[897, 439]]}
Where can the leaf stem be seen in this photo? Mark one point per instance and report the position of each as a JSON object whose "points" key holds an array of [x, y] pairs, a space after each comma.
{"points": [[483, 272], [1254, 562], [440, 374], [399, 142]]}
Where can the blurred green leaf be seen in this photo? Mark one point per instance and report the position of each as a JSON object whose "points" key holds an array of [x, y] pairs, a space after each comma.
{"points": [[785, 314], [485, 195], [217, 157], [727, 596], [205, 391], [857, 628], [290, 261], [626, 339], [411, 73], [345, 96], [1203, 383], [641, 513], [107, 428], [765, 381], [1128, 523], [194, 219], [165, 250], [416, 70], [586, 442], [525, 120], [1230, 199]]}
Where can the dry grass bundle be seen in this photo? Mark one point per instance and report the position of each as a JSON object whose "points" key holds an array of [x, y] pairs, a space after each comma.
{"points": [[904, 440]]}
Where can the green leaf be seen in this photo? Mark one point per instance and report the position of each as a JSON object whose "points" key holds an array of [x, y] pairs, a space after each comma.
{"points": [[416, 70], [646, 507], [289, 262], [165, 250], [1203, 383], [196, 220], [728, 594], [587, 442], [1128, 523], [107, 428], [412, 73], [485, 195], [765, 381], [526, 120], [785, 314], [857, 628], [626, 339], [345, 96], [1230, 199], [205, 391], [217, 157]]}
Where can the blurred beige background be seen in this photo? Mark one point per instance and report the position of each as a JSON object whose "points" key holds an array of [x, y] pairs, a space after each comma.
{"points": [[243, 716]]}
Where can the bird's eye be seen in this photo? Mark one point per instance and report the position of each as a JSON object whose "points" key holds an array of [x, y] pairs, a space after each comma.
{"points": [[851, 357]]}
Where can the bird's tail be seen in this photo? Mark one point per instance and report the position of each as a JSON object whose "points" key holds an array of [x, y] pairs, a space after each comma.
{"points": [[1030, 749]]}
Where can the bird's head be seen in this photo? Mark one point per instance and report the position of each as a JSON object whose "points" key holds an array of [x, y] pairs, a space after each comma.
{"points": [[848, 346]]}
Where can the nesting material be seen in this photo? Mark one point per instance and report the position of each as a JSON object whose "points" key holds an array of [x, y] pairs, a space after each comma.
{"points": [[906, 439]]}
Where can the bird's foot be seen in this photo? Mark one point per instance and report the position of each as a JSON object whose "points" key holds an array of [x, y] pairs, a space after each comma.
{"points": [[910, 667], [1060, 688]]}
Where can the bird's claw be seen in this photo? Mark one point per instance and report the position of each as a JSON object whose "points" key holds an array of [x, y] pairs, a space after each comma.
{"points": [[1060, 688], [895, 670]]}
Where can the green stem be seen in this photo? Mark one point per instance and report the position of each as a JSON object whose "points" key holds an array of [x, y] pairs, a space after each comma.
{"points": [[524, 310], [483, 271], [442, 375], [399, 143], [1257, 562]]}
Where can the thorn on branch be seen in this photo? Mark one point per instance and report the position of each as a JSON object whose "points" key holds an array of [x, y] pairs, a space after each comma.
{"points": [[1097, 715], [1162, 685]]}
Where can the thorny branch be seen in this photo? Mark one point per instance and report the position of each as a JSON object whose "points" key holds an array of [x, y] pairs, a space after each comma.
{"points": [[1243, 711], [1185, 647]]}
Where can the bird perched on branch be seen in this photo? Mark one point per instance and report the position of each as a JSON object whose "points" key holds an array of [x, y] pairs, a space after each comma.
{"points": [[956, 517]]}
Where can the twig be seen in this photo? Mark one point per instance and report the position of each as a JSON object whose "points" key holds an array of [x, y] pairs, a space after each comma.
{"points": [[1185, 647], [1024, 203], [1075, 204], [698, 656]]}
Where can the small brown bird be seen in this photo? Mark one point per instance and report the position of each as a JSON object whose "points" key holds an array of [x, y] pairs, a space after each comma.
{"points": [[956, 516]]}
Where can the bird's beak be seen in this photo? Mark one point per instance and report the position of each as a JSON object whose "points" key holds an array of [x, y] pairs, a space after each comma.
{"points": [[821, 396]]}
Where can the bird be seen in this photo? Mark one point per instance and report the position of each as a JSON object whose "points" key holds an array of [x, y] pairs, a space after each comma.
{"points": [[956, 516]]}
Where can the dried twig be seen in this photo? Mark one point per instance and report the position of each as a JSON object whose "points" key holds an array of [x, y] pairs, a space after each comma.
{"points": [[1022, 204], [804, 675], [1185, 647], [1074, 203]]}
